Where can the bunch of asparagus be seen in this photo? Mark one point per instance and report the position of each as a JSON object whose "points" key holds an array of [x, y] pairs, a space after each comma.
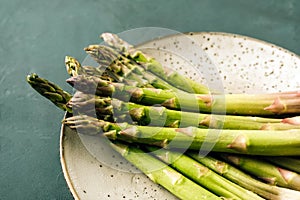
{"points": [[159, 120]]}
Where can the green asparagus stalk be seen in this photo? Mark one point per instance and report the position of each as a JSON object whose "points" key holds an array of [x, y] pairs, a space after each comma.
{"points": [[245, 180], [291, 163], [255, 142], [150, 64], [241, 104], [163, 175], [50, 90], [266, 171], [202, 175], [62, 98]]}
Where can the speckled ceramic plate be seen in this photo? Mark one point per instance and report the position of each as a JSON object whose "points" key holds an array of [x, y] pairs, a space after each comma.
{"points": [[223, 61]]}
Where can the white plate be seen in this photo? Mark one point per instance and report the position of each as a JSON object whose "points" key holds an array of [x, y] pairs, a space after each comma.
{"points": [[233, 62]]}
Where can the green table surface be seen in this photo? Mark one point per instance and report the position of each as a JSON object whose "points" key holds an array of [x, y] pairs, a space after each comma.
{"points": [[35, 35]]}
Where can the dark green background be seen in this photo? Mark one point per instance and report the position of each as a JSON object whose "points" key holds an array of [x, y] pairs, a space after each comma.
{"points": [[36, 35]]}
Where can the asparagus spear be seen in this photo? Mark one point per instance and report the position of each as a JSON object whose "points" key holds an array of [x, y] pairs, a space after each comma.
{"points": [[131, 66], [242, 104], [150, 64], [233, 141], [241, 178], [125, 68], [161, 116], [74, 68], [202, 175], [113, 72], [50, 90], [62, 98], [163, 175], [145, 115], [266, 171], [291, 163]]}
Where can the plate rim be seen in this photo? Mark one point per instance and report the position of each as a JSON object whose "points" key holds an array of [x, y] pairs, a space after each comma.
{"points": [[234, 35], [63, 161]]}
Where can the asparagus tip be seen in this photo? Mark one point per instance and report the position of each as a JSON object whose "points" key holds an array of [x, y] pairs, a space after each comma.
{"points": [[72, 65], [91, 47], [106, 36], [31, 77], [113, 40]]}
